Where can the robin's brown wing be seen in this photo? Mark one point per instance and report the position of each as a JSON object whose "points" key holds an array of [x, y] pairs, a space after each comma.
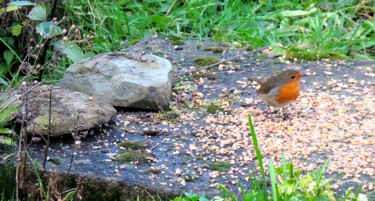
{"points": [[272, 82], [253, 79]]}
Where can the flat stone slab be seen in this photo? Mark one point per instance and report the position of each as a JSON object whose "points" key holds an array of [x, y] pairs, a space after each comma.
{"points": [[332, 119]]}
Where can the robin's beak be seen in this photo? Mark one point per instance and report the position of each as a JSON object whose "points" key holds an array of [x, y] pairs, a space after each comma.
{"points": [[303, 75]]}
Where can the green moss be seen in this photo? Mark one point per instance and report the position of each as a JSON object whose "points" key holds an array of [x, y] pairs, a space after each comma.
{"points": [[170, 148], [187, 78], [176, 40], [132, 144], [249, 48], [151, 171], [220, 166], [309, 55], [182, 138], [158, 52], [215, 49], [148, 171], [206, 74], [186, 160], [55, 160], [199, 158], [190, 177], [132, 156], [212, 108], [170, 116], [261, 57], [205, 61], [133, 42]]}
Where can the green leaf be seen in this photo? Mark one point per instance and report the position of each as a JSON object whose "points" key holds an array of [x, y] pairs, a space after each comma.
{"points": [[258, 154], [8, 56], [8, 9], [297, 13], [21, 3], [38, 13], [273, 181], [2, 81], [5, 139], [227, 192], [71, 50], [6, 131], [5, 115], [48, 29], [16, 29]]}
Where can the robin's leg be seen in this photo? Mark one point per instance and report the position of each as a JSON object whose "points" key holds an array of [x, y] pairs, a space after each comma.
{"points": [[285, 113], [270, 111]]}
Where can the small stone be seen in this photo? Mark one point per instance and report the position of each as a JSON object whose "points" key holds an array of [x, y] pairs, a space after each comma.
{"points": [[214, 174], [370, 186], [178, 172], [327, 72]]}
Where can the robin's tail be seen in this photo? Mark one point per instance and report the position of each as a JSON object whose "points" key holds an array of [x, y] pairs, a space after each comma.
{"points": [[256, 80]]}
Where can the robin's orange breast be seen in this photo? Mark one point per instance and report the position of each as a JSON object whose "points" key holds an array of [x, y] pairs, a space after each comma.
{"points": [[288, 92]]}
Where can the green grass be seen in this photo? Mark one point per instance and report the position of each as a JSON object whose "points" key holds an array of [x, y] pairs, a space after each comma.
{"points": [[343, 29], [7, 181]]}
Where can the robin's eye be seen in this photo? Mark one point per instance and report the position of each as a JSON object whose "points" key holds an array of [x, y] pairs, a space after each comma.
{"points": [[293, 76]]}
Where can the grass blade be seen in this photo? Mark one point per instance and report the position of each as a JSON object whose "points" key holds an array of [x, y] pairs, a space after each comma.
{"points": [[273, 181], [259, 156], [226, 191]]}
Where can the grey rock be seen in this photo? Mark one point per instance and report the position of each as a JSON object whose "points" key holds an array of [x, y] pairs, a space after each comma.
{"points": [[124, 79], [71, 111]]}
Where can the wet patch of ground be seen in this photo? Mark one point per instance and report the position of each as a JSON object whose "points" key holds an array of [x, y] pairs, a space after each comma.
{"points": [[205, 139]]}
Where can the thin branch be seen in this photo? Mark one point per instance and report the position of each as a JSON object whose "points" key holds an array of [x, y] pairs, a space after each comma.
{"points": [[49, 130], [22, 144]]}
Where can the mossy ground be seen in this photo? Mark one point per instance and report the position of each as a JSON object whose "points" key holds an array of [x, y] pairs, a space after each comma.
{"points": [[205, 61], [138, 156], [132, 144], [220, 166], [215, 49]]}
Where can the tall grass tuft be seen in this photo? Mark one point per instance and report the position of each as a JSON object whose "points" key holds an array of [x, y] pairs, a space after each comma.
{"points": [[7, 181]]}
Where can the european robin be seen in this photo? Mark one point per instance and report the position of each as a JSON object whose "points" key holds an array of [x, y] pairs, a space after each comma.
{"points": [[280, 90]]}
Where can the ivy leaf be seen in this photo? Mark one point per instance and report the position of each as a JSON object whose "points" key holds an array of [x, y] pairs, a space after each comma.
{"points": [[2, 81], [48, 29], [16, 29], [5, 139], [21, 3], [8, 56], [38, 13], [72, 50]]}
